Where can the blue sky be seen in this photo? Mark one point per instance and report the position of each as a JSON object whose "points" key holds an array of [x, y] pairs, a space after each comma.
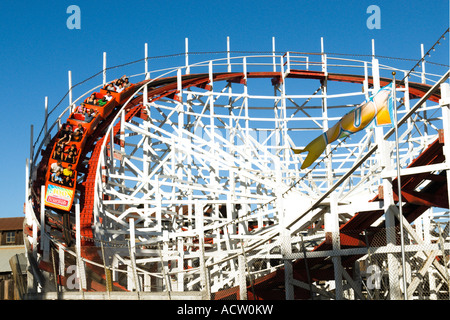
{"points": [[38, 49]]}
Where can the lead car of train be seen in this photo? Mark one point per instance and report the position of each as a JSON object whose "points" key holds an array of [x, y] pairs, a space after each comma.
{"points": [[61, 176]]}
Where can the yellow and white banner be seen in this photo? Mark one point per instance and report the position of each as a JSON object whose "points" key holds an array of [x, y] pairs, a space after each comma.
{"points": [[377, 110]]}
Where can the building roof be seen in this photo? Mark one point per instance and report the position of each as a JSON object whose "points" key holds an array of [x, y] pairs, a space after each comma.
{"points": [[7, 224]]}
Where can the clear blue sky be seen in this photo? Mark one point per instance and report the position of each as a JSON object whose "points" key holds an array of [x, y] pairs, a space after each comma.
{"points": [[38, 49]]}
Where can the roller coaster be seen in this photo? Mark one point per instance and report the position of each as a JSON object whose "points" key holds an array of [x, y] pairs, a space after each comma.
{"points": [[186, 184]]}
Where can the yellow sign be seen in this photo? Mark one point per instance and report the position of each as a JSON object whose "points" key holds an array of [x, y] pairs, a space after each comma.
{"points": [[59, 197]]}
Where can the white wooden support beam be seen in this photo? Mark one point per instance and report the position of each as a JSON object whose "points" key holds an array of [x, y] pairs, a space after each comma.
{"points": [[104, 68], [366, 81], [147, 73], [274, 67], [186, 56], [180, 264], [284, 209], [246, 115], [242, 278], [228, 55], [147, 77], [324, 58], [286, 250], [199, 227], [331, 219], [406, 103], [70, 87], [287, 65], [44, 238], [415, 170], [384, 158], [81, 274], [423, 80], [211, 105], [391, 239], [400, 202], [61, 259], [136, 283], [179, 87]]}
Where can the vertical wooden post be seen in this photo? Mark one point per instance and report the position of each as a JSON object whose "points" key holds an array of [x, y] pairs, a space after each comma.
{"points": [[70, 87], [44, 240], [201, 238], [147, 76], [104, 68], [186, 55], [274, 67], [332, 235], [423, 80], [80, 264], [137, 286], [228, 55]]}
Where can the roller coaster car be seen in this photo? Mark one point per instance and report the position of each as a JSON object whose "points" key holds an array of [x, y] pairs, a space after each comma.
{"points": [[105, 109], [78, 143], [59, 196], [89, 127], [121, 97]]}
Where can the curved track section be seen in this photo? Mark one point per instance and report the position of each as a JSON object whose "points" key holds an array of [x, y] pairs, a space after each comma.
{"points": [[202, 219]]}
